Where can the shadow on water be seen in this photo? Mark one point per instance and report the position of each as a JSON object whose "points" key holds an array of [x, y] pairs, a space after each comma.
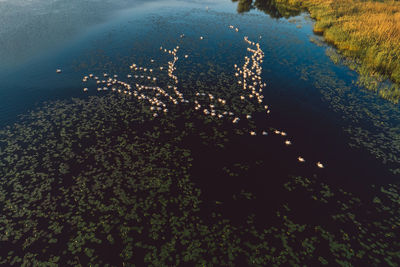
{"points": [[273, 8]]}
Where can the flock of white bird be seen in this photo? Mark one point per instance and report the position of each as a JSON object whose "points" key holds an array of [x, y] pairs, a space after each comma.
{"points": [[249, 79]]}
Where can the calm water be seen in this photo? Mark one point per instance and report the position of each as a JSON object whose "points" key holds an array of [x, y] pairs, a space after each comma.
{"points": [[329, 118]]}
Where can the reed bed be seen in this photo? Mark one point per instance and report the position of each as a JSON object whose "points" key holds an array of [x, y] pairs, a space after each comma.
{"points": [[368, 31]]}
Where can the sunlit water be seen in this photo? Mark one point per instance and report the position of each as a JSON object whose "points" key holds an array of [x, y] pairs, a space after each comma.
{"points": [[312, 99]]}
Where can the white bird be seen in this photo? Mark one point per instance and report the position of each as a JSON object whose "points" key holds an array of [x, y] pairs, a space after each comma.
{"points": [[320, 165], [301, 159], [287, 142], [58, 70]]}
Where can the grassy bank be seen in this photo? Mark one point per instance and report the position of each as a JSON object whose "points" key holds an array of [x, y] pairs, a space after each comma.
{"points": [[368, 31]]}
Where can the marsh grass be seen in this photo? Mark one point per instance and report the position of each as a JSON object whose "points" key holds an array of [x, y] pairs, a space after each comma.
{"points": [[364, 30]]}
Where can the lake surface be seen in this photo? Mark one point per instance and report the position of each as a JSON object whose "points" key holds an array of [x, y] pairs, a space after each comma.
{"points": [[315, 100], [327, 117]]}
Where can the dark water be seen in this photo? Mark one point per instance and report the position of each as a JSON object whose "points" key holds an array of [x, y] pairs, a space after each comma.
{"points": [[312, 99], [328, 118]]}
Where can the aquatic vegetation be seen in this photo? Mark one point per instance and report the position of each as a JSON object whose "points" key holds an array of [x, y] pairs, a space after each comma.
{"points": [[370, 123], [81, 186], [102, 181]]}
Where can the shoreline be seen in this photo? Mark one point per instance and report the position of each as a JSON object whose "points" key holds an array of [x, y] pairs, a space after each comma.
{"points": [[364, 32]]}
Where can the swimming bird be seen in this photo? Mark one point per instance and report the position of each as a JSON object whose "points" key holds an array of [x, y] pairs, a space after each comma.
{"points": [[320, 165], [58, 70], [301, 159], [287, 142]]}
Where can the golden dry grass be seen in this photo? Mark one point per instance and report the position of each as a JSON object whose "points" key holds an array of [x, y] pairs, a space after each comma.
{"points": [[366, 30]]}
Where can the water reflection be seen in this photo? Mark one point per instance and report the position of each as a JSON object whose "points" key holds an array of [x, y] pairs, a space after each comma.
{"points": [[275, 9], [30, 28]]}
